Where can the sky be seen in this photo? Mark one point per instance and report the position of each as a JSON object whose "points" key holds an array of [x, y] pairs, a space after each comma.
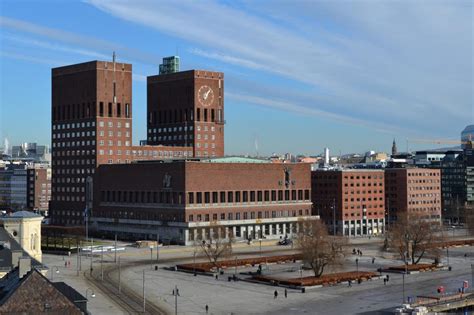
{"points": [[299, 75]]}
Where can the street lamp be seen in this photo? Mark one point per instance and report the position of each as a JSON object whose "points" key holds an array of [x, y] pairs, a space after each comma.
{"points": [[194, 262], [301, 273], [151, 257], [52, 272], [92, 293], [260, 240], [357, 267]]}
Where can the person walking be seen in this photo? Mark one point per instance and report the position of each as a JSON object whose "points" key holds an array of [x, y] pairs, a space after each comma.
{"points": [[286, 294], [275, 295], [207, 308], [373, 260], [384, 281], [349, 283]]}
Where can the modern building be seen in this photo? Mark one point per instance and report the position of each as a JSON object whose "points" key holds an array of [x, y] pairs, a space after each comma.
{"points": [[13, 186], [413, 191], [186, 109], [469, 162], [453, 186], [350, 202], [38, 181], [467, 135], [31, 152], [185, 201], [169, 65]]}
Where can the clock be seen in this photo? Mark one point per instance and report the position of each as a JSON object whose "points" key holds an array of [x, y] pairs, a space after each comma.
{"points": [[205, 95]]}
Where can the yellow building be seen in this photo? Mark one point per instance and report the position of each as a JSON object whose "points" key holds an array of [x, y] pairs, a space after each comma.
{"points": [[25, 228]]}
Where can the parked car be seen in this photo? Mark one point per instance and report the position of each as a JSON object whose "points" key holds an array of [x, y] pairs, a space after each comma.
{"points": [[285, 241]]}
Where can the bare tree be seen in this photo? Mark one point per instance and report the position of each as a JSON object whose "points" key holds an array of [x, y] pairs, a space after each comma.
{"points": [[413, 236], [317, 247], [216, 247]]}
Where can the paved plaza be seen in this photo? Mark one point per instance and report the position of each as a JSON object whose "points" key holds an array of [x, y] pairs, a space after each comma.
{"points": [[224, 297]]}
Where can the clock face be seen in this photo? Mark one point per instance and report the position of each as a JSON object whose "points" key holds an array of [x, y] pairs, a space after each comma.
{"points": [[205, 95]]}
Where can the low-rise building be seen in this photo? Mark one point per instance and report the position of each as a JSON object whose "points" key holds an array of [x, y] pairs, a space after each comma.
{"points": [[350, 202], [184, 201]]}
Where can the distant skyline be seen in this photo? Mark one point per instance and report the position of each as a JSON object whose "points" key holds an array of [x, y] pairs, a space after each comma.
{"points": [[299, 75]]}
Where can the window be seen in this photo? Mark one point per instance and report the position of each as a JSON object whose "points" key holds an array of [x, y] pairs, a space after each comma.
{"points": [[222, 197]]}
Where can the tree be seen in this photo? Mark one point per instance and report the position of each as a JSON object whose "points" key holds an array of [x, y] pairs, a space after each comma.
{"points": [[317, 247], [413, 236], [216, 247]]}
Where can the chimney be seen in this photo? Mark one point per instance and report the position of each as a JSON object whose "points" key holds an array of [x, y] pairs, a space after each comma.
{"points": [[24, 266]]}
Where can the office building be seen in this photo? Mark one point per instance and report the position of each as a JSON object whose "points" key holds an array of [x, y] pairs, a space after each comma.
{"points": [[414, 191], [350, 202]]}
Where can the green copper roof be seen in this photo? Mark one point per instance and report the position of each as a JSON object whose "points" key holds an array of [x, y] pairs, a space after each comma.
{"points": [[235, 159]]}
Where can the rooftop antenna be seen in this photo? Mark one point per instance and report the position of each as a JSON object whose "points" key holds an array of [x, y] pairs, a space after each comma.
{"points": [[115, 95], [256, 144]]}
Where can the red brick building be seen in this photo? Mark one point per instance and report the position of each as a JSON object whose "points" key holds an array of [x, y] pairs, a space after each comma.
{"points": [[92, 125], [413, 191], [187, 109], [38, 187], [350, 201], [187, 200]]}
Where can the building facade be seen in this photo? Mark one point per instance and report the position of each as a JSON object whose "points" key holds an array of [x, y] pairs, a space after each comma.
{"points": [[38, 181], [13, 186], [414, 191], [186, 201], [187, 109], [92, 125], [350, 202]]}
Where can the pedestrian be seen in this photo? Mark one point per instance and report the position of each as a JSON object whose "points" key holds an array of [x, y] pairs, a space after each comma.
{"points": [[353, 251], [465, 255], [349, 283], [388, 278], [177, 292], [217, 277], [373, 260], [384, 281], [207, 308], [361, 253], [65, 264], [173, 292], [286, 293], [275, 295]]}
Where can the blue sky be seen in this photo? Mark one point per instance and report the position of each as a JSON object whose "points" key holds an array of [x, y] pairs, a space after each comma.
{"points": [[300, 75]]}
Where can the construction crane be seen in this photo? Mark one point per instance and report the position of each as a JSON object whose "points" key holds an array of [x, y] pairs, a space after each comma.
{"points": [[439, 141]]}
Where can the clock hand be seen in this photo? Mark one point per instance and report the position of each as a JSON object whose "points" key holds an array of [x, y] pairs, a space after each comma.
{"points": [[206, 94]]}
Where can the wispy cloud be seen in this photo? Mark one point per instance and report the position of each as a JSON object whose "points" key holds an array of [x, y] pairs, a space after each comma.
{"points": [[402, 63], [86, 43]]}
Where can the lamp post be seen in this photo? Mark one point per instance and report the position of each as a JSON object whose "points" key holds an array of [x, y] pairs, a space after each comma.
{"points": [[260, 241], [447, 254], [92, 293], [102, 262], [357, 267], [119, 279], [52, 271], [157, 247], [176, 300], [144, 298], [301, 272], [151, 257], [334, 216], [194, 262]]}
